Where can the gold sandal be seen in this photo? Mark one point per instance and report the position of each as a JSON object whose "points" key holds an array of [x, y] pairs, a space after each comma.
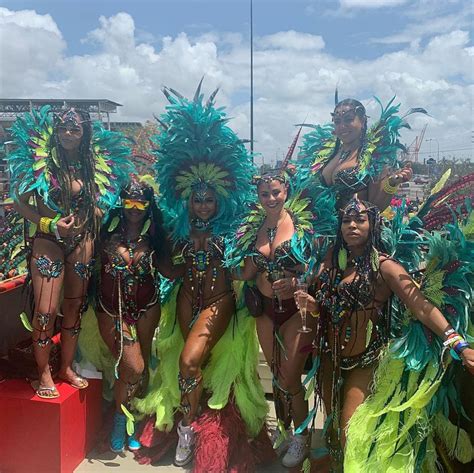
{"points": [[79, 383], [44, 392]]}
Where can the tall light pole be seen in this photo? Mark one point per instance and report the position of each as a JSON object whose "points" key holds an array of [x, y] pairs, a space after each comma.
{"points": [[251, 77], [437, 142]]}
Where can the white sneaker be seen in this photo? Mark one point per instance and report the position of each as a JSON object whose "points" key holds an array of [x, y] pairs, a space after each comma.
{"points": [[185, 447], [281, 445], [297, 451]]}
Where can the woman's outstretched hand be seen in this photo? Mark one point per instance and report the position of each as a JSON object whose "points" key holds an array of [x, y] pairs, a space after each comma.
{"points": [[402, 175]]}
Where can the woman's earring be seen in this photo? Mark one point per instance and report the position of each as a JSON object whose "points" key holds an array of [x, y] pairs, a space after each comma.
{"points": [[113, 224], [374, 260], [146, 226], [342, 259]]}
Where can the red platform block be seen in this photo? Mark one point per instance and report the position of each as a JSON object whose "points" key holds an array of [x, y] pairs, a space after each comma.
{"points": [[54, 435]]}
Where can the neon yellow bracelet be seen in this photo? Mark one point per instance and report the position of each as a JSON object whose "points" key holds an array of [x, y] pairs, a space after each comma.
{"points": [[388, 188], [44, 224]]}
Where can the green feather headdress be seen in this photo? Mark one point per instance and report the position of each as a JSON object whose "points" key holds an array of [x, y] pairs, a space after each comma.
{"points": [[380, 148], [196, 150], [34, 161]]}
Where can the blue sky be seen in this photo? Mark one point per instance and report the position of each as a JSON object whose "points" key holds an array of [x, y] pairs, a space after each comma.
{"points": [[347, 34], [420, 50]]}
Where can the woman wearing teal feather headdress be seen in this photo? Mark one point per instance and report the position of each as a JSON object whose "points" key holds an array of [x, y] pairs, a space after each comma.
{"points": [[204, 174], [273, 246], [350, 158], [388, 424], [62, 182]]}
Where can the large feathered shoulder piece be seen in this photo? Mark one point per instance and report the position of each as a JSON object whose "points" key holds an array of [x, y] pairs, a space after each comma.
{"points": [[383, 139], [196, 151], [379, 147], [113, 168], [447, 202], [35, 161], [32, 160]]}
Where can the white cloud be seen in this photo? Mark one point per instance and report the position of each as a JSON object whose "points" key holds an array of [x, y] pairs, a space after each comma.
{"points": [[434, 22], [292, 40], [31, 46], [371, 3], [294, 76], [28, 19]]}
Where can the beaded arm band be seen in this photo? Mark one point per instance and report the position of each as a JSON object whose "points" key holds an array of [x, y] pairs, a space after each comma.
{"points": [[45, 224], [388, 188]]}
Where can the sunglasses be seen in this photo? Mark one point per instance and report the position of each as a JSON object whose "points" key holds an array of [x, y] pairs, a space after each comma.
{"points": [[346, 117], [137, 204], [73, 130]]}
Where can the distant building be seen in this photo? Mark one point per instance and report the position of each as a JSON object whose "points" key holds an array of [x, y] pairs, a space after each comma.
{"points": [[99, 109]]}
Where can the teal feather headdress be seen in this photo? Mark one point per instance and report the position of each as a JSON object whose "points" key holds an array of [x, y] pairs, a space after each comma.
{"points": [[196, 150], [33, 162], [380, 149]]}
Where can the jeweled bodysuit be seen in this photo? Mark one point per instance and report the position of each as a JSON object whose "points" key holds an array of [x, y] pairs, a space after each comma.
{"points": [[341, 302], [128, 286], [283, 260], [202, 274]]}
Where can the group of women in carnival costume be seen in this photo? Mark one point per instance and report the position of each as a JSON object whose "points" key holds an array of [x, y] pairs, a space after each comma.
{"points": [[317, 223]]}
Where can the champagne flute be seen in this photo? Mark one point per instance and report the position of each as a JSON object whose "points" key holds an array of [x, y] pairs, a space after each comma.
{"points": [[302, 300], [276, 274]]}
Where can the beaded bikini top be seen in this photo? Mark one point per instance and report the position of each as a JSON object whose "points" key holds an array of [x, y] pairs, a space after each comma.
{"points": [[340, 298], [346, 183], [202, 258], [282, 259], [135, 269]]}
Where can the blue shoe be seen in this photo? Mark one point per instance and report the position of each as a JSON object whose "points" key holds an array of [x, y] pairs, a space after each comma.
{"points": [[117, 436], [133, 443]]}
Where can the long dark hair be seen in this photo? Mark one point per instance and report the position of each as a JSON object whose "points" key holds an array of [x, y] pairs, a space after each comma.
{"points": [[86, 171], [157, 234]]}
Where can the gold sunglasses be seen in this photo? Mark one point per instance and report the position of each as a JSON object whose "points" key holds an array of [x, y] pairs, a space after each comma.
{"points": [[137, 204]]}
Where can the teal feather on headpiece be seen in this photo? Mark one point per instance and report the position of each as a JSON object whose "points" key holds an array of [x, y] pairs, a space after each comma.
{"points": [[33, 162], [381, 148], [195, 150]]}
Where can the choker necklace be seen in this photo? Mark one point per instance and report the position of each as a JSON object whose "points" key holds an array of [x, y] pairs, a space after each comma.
{"points": [[200, 225], [346, 154], [272, 231]]}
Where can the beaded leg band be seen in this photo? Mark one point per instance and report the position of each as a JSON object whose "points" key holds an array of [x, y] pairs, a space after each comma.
{"points": [[43, 321], [84, 270], [186, 386], [283, 403], [131, 389], [49, 268]]}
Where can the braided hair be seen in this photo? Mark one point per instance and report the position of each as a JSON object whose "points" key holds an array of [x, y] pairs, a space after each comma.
{"points": [[85, 171]]}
